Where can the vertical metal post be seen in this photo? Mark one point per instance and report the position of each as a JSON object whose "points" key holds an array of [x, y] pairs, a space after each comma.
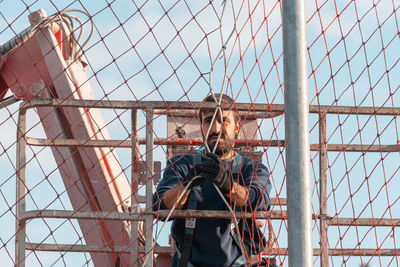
{"points": [[20, 190], [323, 191], [297, 133], [134, 258], [149, 185]]}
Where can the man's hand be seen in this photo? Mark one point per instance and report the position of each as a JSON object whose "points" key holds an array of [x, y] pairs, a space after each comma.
{"points": [[191, 176], [213, 168]]}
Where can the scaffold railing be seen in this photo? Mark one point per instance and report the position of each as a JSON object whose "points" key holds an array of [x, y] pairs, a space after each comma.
{"points": [[139, 213]]}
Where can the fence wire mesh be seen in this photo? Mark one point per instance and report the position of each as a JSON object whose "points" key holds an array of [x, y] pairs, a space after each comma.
{"points": [[171, 54]]}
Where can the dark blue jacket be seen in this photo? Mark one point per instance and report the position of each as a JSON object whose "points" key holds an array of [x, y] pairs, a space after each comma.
{"points": [[213, 244]]}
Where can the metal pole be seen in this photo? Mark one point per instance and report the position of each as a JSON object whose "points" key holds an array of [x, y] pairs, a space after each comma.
{"points": [[323, 192], [149, 185], [134, 257], [297, 134], [20, 208]]}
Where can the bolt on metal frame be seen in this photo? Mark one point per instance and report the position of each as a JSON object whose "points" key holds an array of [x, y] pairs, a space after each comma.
{"points": [[147, 216]]}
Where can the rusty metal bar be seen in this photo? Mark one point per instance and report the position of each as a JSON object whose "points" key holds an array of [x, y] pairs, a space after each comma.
{"points": [[157, 141], [168, 105], [364, 252], [92, 248], [352, 110], [8, 101], [249, 114], [134, 247], [20, 208], [361, 148], [159, 105], [140, 216], [278, 201], [149, 186], [343, 252], [89, 215], [110, 143], [274, 201], [197, 142], [371, 222], [207, 214], [221, 214], [323, 164]]}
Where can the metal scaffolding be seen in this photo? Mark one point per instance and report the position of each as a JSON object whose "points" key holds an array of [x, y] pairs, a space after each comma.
{"points": [[147, 215]]}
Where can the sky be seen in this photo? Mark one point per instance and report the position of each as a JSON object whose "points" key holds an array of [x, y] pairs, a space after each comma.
{"points": [[352, 60]]}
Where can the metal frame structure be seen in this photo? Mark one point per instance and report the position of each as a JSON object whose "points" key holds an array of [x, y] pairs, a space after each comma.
{"points": [[134, 216]]}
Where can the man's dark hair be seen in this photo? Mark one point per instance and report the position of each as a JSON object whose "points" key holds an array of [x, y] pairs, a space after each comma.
{"points": [[227, 103]]}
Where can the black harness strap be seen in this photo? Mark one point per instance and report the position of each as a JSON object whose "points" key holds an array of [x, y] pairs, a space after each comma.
{"points": [[190, 224]]}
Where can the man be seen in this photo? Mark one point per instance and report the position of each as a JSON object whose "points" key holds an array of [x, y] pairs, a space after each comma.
{"points": [[243, 182]]}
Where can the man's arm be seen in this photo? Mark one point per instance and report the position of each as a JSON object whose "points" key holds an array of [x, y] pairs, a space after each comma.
{"points": [[256, 180], [171, 196], [239, 194], [170, 186]]}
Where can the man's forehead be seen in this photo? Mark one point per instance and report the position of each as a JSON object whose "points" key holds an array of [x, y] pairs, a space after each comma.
{"points": [[210, 113]]}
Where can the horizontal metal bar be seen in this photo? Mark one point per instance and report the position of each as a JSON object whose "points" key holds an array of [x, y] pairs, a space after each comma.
{"points": [[278, 201], [215, 214], [103, 215], [274, 201], [159, 105], [244, 115], [8, 101], [70, 214], [364, 252], [127, 143], [197, 142], [342, 252], [359, 148], [109, 143], [353, 110], [92, 248], [364, 222], [221, 214], [168, 105], [168, 250]]}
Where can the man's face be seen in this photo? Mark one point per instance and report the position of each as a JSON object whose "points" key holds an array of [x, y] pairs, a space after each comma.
{"points": [[228, 128]]}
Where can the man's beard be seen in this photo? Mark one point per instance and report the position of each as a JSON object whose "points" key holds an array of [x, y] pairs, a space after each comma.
{"points": [[222, 147]]}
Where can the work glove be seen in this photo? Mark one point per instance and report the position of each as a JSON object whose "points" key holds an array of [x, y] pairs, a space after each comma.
{"points": [[212, 168]]}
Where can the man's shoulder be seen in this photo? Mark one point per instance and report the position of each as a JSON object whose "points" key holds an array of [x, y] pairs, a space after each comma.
{"points": [[252, 163]]}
